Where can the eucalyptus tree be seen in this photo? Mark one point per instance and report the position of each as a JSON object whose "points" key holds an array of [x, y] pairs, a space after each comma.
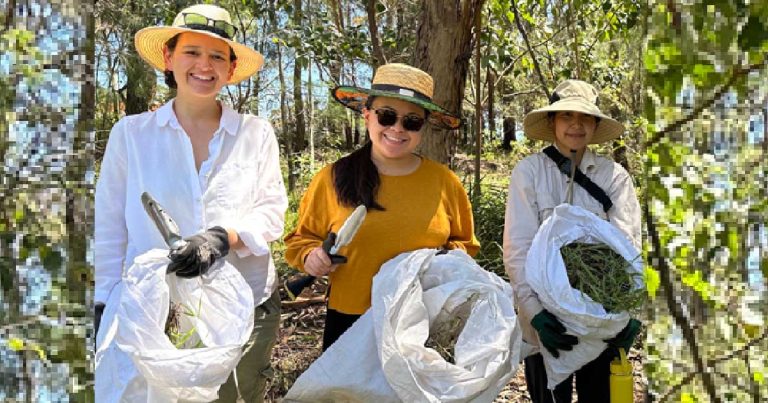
{"points": [[44, 163], [705, 207]]}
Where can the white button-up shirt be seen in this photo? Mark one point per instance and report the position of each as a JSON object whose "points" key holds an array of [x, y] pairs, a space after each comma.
{"points": [[239, 186], [536, 186]]}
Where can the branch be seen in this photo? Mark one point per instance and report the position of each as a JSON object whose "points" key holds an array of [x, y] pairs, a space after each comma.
{"points": [[711, 363], [378, 54], [680, 317], [519, 24], [737, 74]]}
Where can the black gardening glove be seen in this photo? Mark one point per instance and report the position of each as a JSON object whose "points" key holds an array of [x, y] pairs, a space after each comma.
{"points": [[98, 310], [200, 252], [552, 333], [626, 336]]}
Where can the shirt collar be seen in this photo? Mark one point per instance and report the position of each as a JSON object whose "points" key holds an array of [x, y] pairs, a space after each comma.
{"points": [[230, 119], [588, 160]]}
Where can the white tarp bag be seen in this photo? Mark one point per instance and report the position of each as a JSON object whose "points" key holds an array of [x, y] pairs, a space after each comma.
{"points": [[581, 316], [382, 357], [136, 361]]}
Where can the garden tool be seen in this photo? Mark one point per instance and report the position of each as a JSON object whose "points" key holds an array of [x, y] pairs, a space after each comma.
{"points": [[163, 221], [573, 177], [331, 245]]}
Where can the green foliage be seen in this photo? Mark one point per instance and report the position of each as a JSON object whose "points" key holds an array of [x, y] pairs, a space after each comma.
{"points": [[706, 77], [488, 211]]}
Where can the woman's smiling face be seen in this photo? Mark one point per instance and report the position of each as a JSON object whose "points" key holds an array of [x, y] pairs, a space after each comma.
{"points": [[393, 142], [200, 63], [573, 130]]}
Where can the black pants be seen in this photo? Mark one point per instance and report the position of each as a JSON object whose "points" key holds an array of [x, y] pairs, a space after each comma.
{"points": [[336, 323], [592, 381]]}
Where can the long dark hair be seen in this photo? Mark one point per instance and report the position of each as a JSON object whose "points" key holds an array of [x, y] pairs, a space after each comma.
{"points": [[356, 179], [355, 176]]}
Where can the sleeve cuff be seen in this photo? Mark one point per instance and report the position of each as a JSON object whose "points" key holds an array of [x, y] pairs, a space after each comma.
{"points": [[254, 244]]}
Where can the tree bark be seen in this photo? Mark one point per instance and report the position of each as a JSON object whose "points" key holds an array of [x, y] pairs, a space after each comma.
{"points": [[443, 49], [478, 107], [78, 212], [284, 122], [299, 134]]}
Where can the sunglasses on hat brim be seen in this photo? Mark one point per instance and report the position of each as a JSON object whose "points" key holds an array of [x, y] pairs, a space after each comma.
{"points": [[201, 22]]}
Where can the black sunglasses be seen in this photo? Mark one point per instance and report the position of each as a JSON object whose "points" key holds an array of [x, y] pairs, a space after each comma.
{"points": [[388, 117], [219, 27]]}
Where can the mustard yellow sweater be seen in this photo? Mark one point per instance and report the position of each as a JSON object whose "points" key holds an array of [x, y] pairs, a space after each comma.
{"points": [[425, 209]]}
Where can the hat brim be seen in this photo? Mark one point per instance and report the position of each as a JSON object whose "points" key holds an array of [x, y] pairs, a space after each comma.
{"points": [[149, 43], [355, 97], [536, 124]]}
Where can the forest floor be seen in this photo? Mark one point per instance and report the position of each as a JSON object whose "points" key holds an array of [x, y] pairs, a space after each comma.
{"points": [[300, 340]]}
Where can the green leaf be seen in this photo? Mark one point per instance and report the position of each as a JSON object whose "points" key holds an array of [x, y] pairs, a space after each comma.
{"points": [[16, 344], [753, 33], [758, 377], [652, 281]]}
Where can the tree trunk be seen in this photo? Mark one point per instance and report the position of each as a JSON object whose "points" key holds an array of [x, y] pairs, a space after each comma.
{"points": [[378, 55], [491, 78], [478, 107], [509, 133], [311, 119], [357, 132], [78, 212], [140, 77], [443, 48], [348, 122], [299, 134], [9, 14], [284, 123]]}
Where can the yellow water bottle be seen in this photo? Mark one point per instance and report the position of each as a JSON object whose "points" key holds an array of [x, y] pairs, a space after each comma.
{"points": [[621, 379]]}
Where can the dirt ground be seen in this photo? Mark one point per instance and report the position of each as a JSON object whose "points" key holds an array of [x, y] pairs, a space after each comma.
{"points": [[300, 341]]}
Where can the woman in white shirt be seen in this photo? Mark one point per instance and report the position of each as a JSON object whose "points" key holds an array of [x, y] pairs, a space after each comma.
{"points": [[571, 122], [215, 171]]}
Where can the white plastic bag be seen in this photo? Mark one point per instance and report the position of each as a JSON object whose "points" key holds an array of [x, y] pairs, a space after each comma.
{"points": [[581, 316], [382, 356], [135, 360]]}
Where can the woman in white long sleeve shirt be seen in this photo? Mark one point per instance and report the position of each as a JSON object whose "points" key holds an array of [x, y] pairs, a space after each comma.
{"points": [[571, 122], [215, 171]]}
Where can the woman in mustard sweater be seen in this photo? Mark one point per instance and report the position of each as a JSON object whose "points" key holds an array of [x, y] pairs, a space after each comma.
{"points": [[412, 202]]}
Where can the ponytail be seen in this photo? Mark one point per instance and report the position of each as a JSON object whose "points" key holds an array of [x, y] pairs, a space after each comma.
{"points": [[356, 179]]}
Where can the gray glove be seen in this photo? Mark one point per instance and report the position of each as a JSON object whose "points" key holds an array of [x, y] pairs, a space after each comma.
{"points": [[200, 253]]}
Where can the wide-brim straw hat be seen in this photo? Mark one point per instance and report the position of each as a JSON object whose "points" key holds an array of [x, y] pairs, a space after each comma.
{"points": [[149, 41], [574, 96], [401, 81]]}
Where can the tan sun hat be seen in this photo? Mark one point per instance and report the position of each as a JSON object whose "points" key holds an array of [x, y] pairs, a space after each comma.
{"points": [[401, 81], [575, 96], [203, 19]]}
